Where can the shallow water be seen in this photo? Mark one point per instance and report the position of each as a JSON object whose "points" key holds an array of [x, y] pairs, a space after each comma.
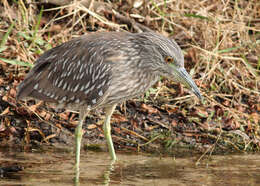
{"points": [[56, 168]]}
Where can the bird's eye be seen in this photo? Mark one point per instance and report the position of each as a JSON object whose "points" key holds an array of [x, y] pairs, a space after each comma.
{"points": [[168, 59]]}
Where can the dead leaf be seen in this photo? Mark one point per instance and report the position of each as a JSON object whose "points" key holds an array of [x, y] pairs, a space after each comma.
{"points": [[49, 137], [75, 123], [219, 110], [33, 108], [188, 134], [30, 129], [235, 125], [226, 103], [12, 93], [119, 118], [58, 125], [192, 54], [117, 130], [13, 130], [5, 98], [64, 116], [240, 108], [249, 126], [47, 116], [201, 84], [232, 124], [134, 123], [2, 126], [100, 122], [217, 130], [150, 128], [258, 107], [201, 112], [170, 109], [174, 123], [255, 117], [55, 28], [149, 109], [92, 126], [72, 116], [43, 113], [2, 81], [6, 111], [181, 89], [205, 125]]}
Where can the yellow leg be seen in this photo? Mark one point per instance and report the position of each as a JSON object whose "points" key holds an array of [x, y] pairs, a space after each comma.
{"points": [[107, 130], [78, 137]]}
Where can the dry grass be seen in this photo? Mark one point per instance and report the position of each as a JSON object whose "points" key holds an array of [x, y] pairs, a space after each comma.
{"points": [[220, 40]]}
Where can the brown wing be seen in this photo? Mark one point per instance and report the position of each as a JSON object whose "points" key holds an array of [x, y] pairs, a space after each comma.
{"points": [[73, 72]]}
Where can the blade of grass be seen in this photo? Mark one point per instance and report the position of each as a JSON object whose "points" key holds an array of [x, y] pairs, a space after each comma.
{"points": [[249, 66], [228, 50], [24, 35], [36, 28], [196, 16], [158, 9], [4, 39], [22, 10], [3, 48], [15, 62]]}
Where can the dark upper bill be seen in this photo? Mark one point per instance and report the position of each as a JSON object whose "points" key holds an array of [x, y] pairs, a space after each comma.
{"points": [[185, 78]]}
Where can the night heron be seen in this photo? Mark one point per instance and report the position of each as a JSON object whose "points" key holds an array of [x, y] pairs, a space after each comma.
{"points": [[101, 70]]}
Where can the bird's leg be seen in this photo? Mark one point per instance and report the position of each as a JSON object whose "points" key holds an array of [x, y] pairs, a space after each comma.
{"points": [[78, 137], [107, 130]]}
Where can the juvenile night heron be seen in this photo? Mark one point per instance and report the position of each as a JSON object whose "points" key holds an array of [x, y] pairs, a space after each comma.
{"points": [[101, 70]]}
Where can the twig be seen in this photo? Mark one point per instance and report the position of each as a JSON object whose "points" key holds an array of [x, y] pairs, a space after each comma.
{"points": [[126, 20]]}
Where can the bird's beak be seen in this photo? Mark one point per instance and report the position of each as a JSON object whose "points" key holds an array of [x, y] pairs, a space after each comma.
{"points": [[181, 75]]}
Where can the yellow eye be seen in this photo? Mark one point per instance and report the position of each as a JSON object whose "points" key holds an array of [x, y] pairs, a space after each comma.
{"points": [[168, 59]]}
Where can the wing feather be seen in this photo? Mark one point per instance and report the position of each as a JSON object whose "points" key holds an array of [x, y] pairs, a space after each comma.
{"points": [[72, 72]]}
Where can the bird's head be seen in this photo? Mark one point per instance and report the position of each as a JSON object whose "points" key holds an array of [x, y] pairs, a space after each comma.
{"points": [[168, 60]]}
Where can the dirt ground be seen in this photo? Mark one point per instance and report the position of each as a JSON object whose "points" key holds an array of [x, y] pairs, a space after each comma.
{"points": [[221, 44]]}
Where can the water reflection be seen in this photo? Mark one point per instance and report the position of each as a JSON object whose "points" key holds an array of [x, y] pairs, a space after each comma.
{"points": [[57, 168]]}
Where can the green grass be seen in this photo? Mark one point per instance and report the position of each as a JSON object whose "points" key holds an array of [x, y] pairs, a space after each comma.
{"points": [[15, 62]]}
